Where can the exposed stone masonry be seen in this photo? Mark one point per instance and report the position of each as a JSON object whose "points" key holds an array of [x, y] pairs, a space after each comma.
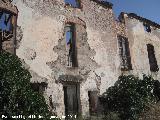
{"points": [[121, 28]]}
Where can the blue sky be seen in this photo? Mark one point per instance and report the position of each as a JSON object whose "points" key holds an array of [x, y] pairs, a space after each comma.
{"points": [[3, 26], [149, 9], [71, 1]]}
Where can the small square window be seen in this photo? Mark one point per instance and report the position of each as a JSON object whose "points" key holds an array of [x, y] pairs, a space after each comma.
{"points": [[5, 21], [73, 3], [38, 87], [147, 28]]}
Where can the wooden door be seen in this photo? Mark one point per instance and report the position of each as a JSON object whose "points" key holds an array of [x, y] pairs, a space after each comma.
{"points": [[71, 100], [93, 102]]}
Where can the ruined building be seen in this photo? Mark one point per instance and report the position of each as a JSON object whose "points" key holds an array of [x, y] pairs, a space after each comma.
{"points": [[75, 51]]}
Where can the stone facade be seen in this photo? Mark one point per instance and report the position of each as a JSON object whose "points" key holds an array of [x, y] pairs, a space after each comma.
{"points": [[138, 39], [41, 45]]}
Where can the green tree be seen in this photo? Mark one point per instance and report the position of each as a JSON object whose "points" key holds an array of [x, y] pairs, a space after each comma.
{"points": [[129, 96], [16, 95]]}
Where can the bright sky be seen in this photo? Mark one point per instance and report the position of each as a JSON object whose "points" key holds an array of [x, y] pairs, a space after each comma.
{"points": [[71, 1], [3, 26], [149, 9]]}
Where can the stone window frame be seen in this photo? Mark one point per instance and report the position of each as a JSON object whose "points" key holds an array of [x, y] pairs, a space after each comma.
{"points": [[79, 6], [152, 58], [77, 84], [75, 21]]}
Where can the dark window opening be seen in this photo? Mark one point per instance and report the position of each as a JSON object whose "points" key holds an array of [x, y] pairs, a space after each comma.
{"points": [[51, 102], [6, 27], [156, 90], [71, 45], [124, 53], [152, 58], [93, 102], [39, 87], [71, 100], [73, 3], [147, 28]]}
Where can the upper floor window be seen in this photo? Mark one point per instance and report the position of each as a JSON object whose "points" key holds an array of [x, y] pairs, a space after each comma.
{"points": [[71, 45], [124, 53], [7, 31], [147, 28], [152, 58], [6, 27], [5, 21], [73, 3]]}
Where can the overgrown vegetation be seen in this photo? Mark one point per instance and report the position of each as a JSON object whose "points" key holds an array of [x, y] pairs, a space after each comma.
{"points": [[130, 96], [16, 95]]}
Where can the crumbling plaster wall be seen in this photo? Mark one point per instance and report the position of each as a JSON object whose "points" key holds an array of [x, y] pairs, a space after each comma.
{"points": [[102, 38], [138, 40], [42, 47], [41, 33]]}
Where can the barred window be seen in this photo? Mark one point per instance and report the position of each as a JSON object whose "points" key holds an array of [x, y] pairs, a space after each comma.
{"points": [[124, 53]]}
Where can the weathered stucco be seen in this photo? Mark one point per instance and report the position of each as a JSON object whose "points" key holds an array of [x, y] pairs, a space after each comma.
{"points": [[41, 45], [138, 39]]}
